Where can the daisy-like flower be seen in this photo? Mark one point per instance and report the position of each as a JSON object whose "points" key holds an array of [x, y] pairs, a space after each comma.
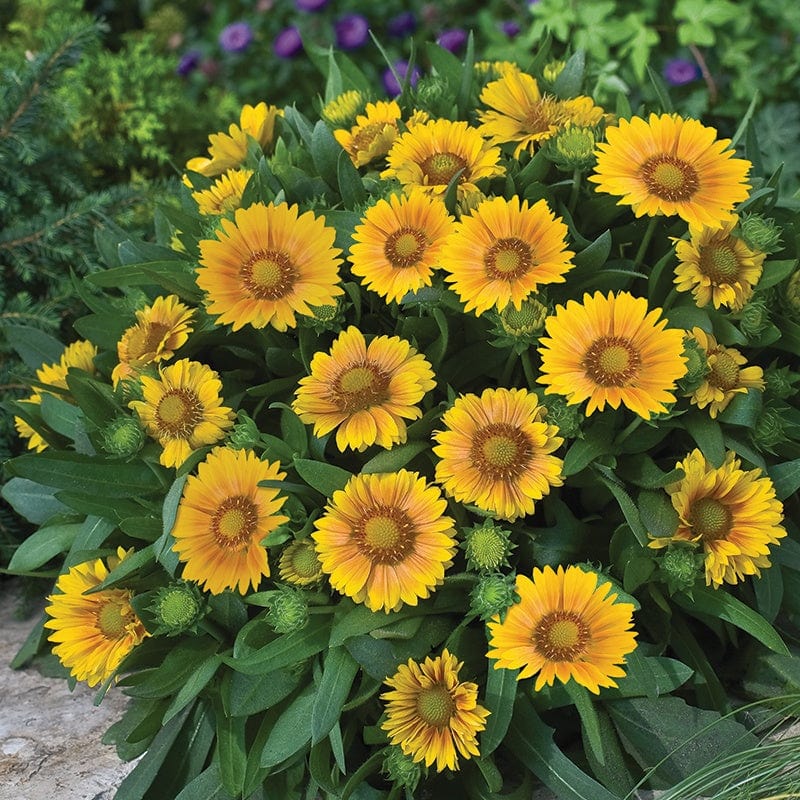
{"points": [[93, 632], [717, 267], [366, 391], [496, 452], [373, 134], [519, 112], [726, 376], [399, 243], [182, 409], [344, 108], [487, 71], [670, 165], [430, 154], [160, 329], [299, 564], [384, 539], [224, 195], [223, 517], [503, 251], [732, 513], [610, 349], [268, 265], [431, 714], [565, 626]]}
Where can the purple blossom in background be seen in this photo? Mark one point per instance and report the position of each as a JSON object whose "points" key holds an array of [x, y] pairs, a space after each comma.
{"points": [[236, 37], [510, 28], [287, 43], [401, 25], [401, 68], [352, 30], [680, 71], [189, 62], [310, 5], [452, 39]]}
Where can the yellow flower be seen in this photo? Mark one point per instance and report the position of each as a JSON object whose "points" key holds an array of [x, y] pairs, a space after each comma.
{"points": [[496, 451], [492, 70], [225, 194], [431, 714], [160, 329], [398, 244], [373, 134], [520, 113], [429, 155], [670, 165], [612, 350], [384, 539], [565, 626], [717, 267], [299, 564], [223, 518], [725, 377], [733, 514], [342, 110], [503, 251], [269, 265], [366, 391], [182, 410], [93, 632]]}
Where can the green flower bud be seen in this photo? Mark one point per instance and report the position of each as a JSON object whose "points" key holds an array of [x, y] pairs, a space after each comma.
{"points": [[552, 69], [177, 608], [792, 294], [431, 92], [760, 233], [780, 381], [401, 769], [572, 148], [769, 430], [487, 547], [245, 434], [754, 319], [566, 418], [288, 610], [325, 318], [342, 111], [123, 436], [526, 320], [680, 567], [696, 366], [492, 595]]}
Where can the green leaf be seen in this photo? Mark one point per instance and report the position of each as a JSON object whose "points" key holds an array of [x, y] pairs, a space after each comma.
{"points": [[775, 272], [128, 566], [786, 478], [34, 502], [394, 459], [291, 732], [596, 254], [351, 187], [33, 346], [250, 694], [649, 676], [590, 722], [707, 434], [501, 693], [661, 90], [657, 513], [325, 478], [744, 409], [95, 399], [584, 451], [104, 330], [325, 152], [231, 751], [284, 651], [769, 592], [208, 785], [42, 545], [570, 80], [66, 419], [195, 684], [338, 675], [625, 502]]}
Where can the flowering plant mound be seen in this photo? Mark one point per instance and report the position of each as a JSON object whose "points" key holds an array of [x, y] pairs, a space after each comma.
{"points": [[424, 445]]}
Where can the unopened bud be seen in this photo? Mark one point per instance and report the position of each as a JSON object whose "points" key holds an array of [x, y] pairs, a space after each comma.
{"points": [[760, 233], [288, 610], [493, 595], [487, 547], [123, 436]]}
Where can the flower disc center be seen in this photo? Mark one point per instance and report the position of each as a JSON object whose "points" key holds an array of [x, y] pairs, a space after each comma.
{"points": [[113, 617], [305, 562], [508, 259], [500, 451], [670, 178], [724, 372], [561, 636], [439, 168], [367, 135], [710, 518], [719, 263], [611, 361], [143, 339], [385, 534], [268, 275], [359, 387], [435, 706], [178, 412], [234, 522], [405, 247]]}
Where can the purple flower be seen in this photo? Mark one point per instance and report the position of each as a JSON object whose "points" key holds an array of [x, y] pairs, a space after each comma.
{"points": [[236, 37], [510, 28], [352, 30], [680, 71], [391, 84], [310, 5], [189, 62], [401, 25], [452, 39], [287, 43]]}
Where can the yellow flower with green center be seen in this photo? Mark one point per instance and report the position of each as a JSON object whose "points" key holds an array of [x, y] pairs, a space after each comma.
{"points": [[223, 517], [364, 391], [92, 632], [731, 513], [399, 243], [431, 715], [501, 253], [565, 626], [342, 110], [611, 350], [717, 267], [299, 563], [496, 452], [267, 265], [384, 539], [669, 165], [726, 376], [182, 409], [225, 194], [373, 134]]}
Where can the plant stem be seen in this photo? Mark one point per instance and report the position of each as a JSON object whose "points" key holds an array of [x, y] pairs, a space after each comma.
{"points": [[648, 235], [573, 195], [626, 432], [528, 368]]}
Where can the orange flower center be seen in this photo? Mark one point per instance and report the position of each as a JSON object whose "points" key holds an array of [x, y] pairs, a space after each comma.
{"points": [[508, 259], [114, 616], [405, 247], [724, 372], [439, 168], [141, 340], [435, 706], [561, 636], [268, 274], [500, 451], [360, 386], [234, 522], [385, 535], [611, 361], [178, 413], [719, 263], [669, 178], [710, 518]]}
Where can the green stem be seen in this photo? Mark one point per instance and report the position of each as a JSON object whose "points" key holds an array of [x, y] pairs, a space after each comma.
{"points": [[648, 235], [626, 432], [669, 299], [573, 195], [528, 368], [505, 378]]}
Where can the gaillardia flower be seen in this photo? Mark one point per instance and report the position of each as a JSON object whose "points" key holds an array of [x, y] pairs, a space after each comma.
{"points": [[725, 377], [342, 110], [496, 452], [373, 134], [93, 632], [399, 244], [384, 539], [503, 251], [670, 165], [430, 155], [299, 563], [366, 391], [268, 265], [182, 409], [430, 714], [610, 349], [223, 517], [565, 626], [225, 194], [717, 267], [732, 513]]}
